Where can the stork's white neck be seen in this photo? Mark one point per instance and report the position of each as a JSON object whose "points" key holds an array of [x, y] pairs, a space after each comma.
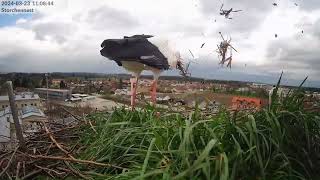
{"points": [[166, 49]]}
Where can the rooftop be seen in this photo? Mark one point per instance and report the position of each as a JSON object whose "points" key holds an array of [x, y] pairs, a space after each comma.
{"points": [[22, 96], [57, 90], [31, 110], [6, 111]]}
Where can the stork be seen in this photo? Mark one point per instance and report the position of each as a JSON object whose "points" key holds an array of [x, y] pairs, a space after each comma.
{"points": [[226, 13], [142, 52]]}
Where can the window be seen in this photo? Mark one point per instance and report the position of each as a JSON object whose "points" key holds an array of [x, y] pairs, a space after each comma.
{"points": [[21, 105], [31, 104], [25, 104], [6, 105], [3, 106], [35, 104]]}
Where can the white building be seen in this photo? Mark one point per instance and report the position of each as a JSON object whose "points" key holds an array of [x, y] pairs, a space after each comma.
{"points": [[121, 92], [22, 100], [243, 89], [54, 94], [30, 118]]}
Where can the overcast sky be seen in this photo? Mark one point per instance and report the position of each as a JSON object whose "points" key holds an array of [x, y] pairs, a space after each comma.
{"points": [[67, 37]]}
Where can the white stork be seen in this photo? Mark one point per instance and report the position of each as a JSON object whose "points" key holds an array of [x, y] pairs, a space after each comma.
{"points": [[142, 52]]}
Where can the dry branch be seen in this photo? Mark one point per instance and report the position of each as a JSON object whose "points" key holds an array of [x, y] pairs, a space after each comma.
{"points": [[10, 160], [18, 170], [75, 171], [74, 160], [33, 173], [92, 126], [56, 143]]}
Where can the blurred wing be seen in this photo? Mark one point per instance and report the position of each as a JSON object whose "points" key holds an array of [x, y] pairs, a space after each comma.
{"points": [[154, 61], [191, 54], [221, 7], [135, 49]]}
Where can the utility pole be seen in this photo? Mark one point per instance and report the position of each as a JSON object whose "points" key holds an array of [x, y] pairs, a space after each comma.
{"points": [[14, 112]]}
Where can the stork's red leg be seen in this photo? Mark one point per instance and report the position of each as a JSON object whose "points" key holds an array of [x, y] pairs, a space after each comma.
{"points": [[134, 82], [153, 92]]}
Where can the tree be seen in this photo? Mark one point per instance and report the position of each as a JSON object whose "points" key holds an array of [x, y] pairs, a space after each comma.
{"points": [[62, 84], [17, 82], [25, 82], [44, 81], [120, 84]]}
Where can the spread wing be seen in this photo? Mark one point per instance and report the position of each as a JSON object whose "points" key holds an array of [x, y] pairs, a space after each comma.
{"points": [[137, 49]]}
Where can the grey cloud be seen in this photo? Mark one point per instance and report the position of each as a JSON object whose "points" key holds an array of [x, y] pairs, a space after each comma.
{"points": [[252, 15], [32, 62], [58, 31], [297, 56], [109, 18], [187, 30], [308, 5], [315, 29]]}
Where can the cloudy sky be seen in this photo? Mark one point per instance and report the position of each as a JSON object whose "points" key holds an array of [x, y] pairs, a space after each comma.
{"points": [[67, 37]]}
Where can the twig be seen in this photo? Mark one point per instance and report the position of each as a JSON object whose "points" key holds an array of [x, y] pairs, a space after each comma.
{"points": [[84, 118], [6, 168], [75, 171], [74, 147], [56, 143], [74, 160], [24, 168], [74, 116], [64, 169], [50, 170], [49, 149], [18, 170], [3, 155], [9, 177], [92, 127], [37, 171]]}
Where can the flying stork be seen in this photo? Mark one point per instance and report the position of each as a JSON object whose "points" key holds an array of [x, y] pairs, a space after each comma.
{"points": [[142, 52], [226, 13]]}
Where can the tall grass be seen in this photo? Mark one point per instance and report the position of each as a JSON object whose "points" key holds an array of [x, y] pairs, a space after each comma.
{"points": [[280, 143]]}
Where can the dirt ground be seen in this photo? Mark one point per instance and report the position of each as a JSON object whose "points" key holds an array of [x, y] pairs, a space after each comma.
{"points": [[99, 103]]}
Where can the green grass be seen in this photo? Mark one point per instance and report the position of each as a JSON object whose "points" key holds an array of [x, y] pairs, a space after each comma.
{"points": [[280, 143]]}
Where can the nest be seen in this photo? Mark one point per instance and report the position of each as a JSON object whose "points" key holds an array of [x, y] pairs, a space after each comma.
{"points": [[225, 51], [51, 152]]}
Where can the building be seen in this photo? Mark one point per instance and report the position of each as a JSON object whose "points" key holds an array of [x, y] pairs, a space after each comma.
{"points": [[243, 89], [246, 103], [54, 94], [81, 97], [121, 92], [30, 118], [22, 100], [56, 82], [257, 85]]}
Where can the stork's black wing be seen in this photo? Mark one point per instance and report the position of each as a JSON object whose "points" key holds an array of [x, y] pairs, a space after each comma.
{"points": [[135, 48]]}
